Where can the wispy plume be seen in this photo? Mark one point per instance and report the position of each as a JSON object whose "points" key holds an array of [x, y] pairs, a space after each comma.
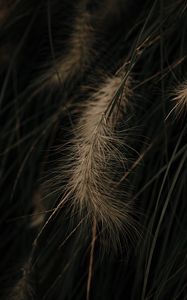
{"points": [[98, 158], [79, 50], [180, 98], [23, 289]]}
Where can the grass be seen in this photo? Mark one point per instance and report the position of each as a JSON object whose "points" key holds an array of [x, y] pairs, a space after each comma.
{"points": [[93, 149]]}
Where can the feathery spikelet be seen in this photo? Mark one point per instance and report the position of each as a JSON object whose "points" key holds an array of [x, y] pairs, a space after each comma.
{"points": [[180, 99], [23, 289], [78, 50], [98, 160]]}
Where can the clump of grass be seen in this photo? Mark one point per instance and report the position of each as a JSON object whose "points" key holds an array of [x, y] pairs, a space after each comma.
{"points": [[98, 183]]}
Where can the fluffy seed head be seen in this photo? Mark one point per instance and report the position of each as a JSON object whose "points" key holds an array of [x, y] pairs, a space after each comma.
{"points": [[78, 51], [98, 159], [180, 98]]}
